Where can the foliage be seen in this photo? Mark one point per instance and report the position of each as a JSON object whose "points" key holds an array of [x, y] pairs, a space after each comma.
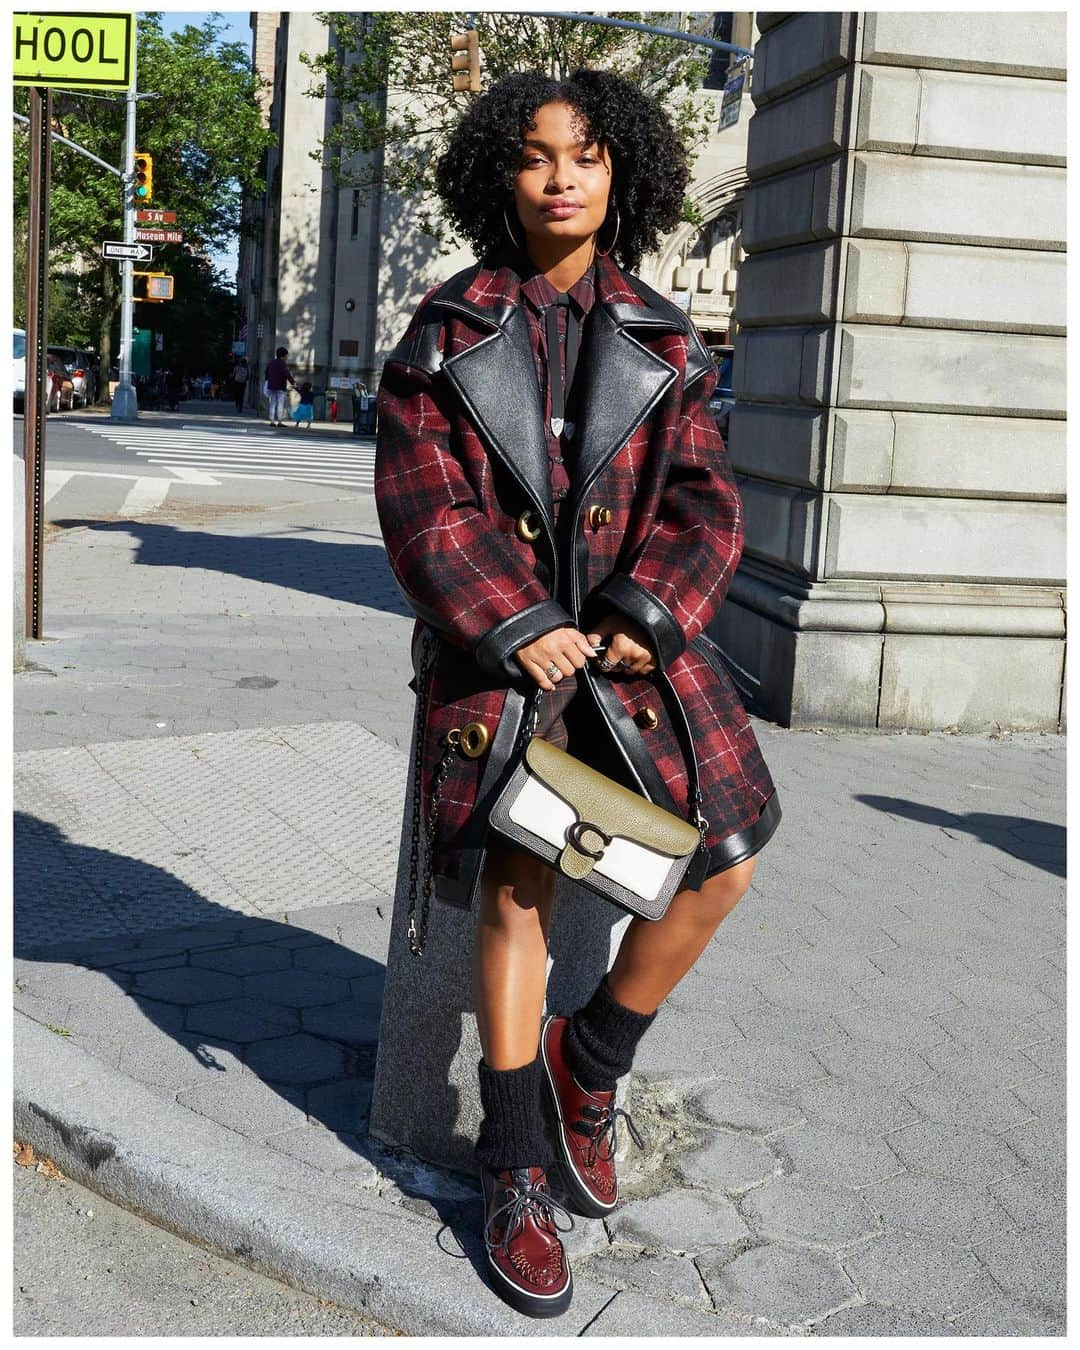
{"points": [[204, 130], [392, 140]]}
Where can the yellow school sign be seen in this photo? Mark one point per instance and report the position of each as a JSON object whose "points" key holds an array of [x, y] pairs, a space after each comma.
{"points": [[75, 51]]}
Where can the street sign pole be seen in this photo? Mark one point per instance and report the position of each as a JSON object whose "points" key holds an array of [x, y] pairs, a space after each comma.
{"points": [[125, 404], [37, 338]]}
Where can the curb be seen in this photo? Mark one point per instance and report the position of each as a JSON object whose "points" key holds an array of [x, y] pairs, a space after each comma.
{"points": [[256, 1206]]}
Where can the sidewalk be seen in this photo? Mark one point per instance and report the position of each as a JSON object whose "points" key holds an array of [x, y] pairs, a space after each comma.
{"points": [[211, 411], [854, 1105]]}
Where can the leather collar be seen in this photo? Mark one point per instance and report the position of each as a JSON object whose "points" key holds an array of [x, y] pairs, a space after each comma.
{"points": [[619, 378]]}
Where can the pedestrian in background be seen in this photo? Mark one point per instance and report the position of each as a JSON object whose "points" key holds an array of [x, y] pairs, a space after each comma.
{"points": [[173, 387], [304, 412], [574, 534], [278, 379], [239, 383]]}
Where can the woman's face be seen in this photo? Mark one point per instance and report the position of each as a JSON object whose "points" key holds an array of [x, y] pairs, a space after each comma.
{"points": [[555, 167]]}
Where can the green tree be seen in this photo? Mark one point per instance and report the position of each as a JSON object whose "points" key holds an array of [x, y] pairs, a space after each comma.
{"points": [[391, 76], [204, 129]]}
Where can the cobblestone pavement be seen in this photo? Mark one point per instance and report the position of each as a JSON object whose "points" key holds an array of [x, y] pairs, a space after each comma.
{"points": [[854, 1104]]}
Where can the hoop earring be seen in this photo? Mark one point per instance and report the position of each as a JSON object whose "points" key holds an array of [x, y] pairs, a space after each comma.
{"points": [[618, 221], [509, 231]]}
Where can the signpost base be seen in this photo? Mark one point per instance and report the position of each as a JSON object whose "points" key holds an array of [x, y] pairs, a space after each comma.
{"points": [[125, 404]]}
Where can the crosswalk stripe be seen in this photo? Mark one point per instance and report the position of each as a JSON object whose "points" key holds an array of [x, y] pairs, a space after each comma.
{"points": [[196, 454], [55, 480], [221, 466], [229, 456], [146, 494], [250, 451]]}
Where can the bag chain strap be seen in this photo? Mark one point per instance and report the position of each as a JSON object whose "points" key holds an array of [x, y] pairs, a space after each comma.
{"points": [[418, 933]]}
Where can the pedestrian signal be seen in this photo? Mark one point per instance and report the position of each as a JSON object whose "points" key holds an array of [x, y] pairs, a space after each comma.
{"points": [[143, 191], [159, 286], [465, 61]]}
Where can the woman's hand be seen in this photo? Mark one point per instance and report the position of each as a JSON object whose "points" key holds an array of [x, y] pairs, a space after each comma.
{"points": [[627, 642], [563, 647]]}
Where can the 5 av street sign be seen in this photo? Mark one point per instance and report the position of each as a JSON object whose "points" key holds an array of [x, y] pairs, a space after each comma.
{"points": [[126, 252], [157, 217], [75, 51]]}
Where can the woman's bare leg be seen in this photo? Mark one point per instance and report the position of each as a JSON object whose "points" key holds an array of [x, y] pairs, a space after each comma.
{"points": [[655, 954], [510, 956]]}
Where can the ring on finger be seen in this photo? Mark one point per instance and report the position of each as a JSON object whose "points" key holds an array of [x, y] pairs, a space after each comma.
{"points": [[553, 672]]}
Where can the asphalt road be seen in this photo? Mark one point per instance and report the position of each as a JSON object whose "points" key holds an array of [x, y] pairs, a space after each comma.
{"points": [[85, 1267], [205, 453]]}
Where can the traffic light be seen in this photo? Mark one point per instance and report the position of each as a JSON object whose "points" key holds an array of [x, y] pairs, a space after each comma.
{"points": [[143, 189], [465, 61]]}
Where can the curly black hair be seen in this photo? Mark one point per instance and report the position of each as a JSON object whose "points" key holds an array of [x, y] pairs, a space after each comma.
{"points": [[474, 177]]}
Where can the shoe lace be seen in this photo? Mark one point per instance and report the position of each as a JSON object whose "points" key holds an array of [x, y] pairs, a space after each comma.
{"points": [[600, 1127], [525, 1200]]}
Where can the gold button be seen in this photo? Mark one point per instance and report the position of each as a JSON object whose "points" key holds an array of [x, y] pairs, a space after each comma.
{"points": [[528, 526], [599, 515], [475, 739], [645, 717]]}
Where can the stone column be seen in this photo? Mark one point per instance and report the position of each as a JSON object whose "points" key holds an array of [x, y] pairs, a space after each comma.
{"points": [[426, 1096], [900, 373]]}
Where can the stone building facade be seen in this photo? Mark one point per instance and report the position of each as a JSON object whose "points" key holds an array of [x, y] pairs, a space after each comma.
{"points": [[900, 373]]}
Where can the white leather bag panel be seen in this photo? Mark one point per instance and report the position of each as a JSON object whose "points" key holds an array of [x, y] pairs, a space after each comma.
{"points": [[544, 813]]}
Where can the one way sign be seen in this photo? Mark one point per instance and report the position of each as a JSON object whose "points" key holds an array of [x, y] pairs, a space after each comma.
{"points": [[126, 252]]}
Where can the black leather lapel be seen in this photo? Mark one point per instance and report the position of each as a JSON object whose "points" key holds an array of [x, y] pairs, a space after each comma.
{"points": [[496, 380], [618, 382]]}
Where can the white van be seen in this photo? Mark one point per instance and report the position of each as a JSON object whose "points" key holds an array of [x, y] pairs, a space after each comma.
{"points": [[18, 366]]}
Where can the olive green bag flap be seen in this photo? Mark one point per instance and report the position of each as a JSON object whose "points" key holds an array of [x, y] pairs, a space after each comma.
{"points": [[605, 809]]}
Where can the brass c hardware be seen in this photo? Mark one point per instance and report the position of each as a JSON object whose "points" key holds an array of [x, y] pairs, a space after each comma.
{"points": [[599, 515], [647, 718], [475, 739], [526, 528], [581, 827]]}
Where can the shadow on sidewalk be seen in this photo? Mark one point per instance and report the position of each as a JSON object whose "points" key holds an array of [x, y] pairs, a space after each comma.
{"points": [[355, 573], [1032, 841], [238, 996]]}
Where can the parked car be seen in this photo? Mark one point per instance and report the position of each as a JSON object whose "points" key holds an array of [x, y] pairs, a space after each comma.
{"points": [[80, 366], [18, 366], [61, 395], [723, 397]]}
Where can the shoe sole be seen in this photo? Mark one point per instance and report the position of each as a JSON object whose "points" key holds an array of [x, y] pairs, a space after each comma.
{"points": [[587, 1203]]}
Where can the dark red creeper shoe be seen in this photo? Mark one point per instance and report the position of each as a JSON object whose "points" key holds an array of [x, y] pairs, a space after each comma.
{"points": [[529, 1265], [585, 1128]]}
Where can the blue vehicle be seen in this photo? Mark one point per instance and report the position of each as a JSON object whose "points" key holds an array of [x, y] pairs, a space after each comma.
{"points": [[723, 398]]}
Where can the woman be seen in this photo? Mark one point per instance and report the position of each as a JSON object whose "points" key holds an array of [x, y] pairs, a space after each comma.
{"points": [[550, 481], [239, 383]]}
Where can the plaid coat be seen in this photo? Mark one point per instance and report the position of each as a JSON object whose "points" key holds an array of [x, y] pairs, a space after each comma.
{"points": [[462, 480]]}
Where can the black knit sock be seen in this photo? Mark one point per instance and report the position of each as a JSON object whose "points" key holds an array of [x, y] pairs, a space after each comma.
{"points": [[601, 1040], [512, 1131]]}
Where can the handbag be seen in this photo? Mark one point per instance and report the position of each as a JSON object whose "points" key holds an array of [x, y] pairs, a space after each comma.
{"points": [[599, 833], [613, 841]]}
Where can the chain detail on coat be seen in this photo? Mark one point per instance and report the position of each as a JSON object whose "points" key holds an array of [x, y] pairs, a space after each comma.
{"points": [[418, 933]]}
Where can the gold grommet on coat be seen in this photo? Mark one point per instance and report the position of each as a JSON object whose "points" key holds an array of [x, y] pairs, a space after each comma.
{"points": [[599, 515], [475, 739], [528, 526], [647, 718]]}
